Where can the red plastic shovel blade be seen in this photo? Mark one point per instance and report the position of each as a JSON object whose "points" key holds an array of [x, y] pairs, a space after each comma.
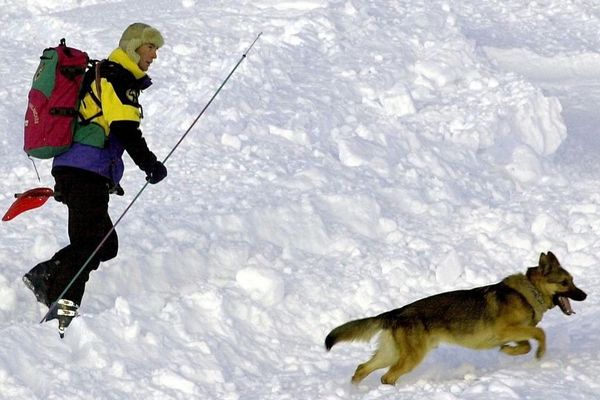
{"points": [[33, 198]]}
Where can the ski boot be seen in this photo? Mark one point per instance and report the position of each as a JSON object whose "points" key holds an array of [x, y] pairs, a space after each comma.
{"points": [[64, 310], [38, 278]]}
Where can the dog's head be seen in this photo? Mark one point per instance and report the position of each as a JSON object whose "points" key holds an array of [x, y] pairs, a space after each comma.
{"points": [[554, 281]]}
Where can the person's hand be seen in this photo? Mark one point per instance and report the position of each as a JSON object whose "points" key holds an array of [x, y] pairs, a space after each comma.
{"points": [[156, 173], [58, 194], [116, 189]]}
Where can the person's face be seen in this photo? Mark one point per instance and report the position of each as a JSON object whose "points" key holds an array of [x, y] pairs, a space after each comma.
{"points": [[147, 53]]}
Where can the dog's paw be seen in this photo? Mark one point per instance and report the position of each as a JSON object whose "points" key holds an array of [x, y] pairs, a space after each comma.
{"points": [[522, 347], [540, 352], [388, 379]]}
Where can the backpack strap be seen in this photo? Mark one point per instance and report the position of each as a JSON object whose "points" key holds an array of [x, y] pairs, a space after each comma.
{"points": [[97, 79], [93, 75]]}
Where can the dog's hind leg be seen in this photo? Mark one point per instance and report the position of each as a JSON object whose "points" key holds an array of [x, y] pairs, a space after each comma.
{"points": [[415, 349], [522, 347], [407, 364], [385, 355]]}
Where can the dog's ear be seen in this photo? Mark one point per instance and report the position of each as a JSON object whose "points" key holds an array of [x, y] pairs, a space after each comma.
{"points": [[548, 262], [552, 259], [543, 264]]}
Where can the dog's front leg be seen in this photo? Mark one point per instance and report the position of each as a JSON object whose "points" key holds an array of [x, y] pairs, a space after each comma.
{"points": [[541, 343], [522, 334]]}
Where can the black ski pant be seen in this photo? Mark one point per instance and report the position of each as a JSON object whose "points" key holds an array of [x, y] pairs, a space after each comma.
{"points": [[86, 195]]}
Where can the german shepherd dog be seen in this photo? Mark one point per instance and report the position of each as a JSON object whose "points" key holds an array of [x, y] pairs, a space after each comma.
{"points": [[502, 315]]}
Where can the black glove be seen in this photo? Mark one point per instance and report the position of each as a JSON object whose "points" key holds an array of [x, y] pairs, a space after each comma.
{"points": [[116, 189], [58, 194], [156, 173]]}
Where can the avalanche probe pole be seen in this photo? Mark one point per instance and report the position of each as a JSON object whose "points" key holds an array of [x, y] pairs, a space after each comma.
{"points": [[53, 305]]}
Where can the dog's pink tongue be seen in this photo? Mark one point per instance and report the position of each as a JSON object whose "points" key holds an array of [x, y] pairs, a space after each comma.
{"points": [[565, 305]]}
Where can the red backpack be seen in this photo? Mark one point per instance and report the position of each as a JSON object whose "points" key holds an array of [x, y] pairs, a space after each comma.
{"points": [[54, 100]]}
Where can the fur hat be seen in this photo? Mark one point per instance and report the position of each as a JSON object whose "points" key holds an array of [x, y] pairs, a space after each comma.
{"points": [[136, 35]]}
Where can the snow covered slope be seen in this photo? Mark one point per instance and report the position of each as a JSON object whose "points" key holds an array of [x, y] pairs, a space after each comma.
{"points": [[365, 154]]}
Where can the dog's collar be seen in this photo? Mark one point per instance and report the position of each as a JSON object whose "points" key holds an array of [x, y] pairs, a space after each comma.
{"points": [[536, 293], [531, 294]]}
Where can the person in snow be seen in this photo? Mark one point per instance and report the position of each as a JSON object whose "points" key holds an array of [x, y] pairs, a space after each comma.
{"points": [[85, 175]]}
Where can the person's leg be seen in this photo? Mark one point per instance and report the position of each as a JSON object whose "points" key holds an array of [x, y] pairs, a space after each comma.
{"points": [[86, 196], [38, 280]]}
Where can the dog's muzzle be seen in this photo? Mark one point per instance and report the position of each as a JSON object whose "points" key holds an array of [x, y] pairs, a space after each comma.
{"points": [[562, 300]]}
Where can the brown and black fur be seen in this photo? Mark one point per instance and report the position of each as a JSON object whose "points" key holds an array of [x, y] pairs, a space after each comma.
{"points": [[502, 315]]}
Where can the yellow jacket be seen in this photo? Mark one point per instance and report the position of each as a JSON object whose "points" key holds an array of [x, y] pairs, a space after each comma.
{"points": [[118, 102], [109, 121]]}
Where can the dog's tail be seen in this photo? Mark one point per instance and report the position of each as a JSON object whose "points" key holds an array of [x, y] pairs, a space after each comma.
{"points": [[357, 330]]}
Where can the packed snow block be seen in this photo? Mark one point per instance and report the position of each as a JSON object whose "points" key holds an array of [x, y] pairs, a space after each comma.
{"points": [[262, 285], [539, 123]]}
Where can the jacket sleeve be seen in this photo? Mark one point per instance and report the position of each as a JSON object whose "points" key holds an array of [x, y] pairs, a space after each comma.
{"points": [[130, 136]]}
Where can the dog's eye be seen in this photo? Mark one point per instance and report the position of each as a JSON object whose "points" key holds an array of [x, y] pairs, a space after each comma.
{"points": [[564, 282]]}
